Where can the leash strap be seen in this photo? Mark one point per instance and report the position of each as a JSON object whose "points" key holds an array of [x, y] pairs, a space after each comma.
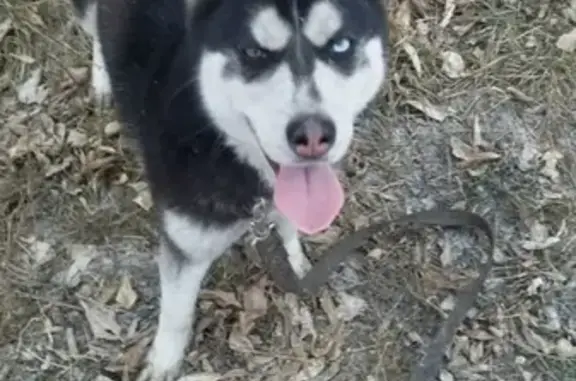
{"points": [[275, 260]]}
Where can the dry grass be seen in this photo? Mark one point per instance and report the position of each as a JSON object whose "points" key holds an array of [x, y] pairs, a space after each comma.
{"points": [[496, 135]]}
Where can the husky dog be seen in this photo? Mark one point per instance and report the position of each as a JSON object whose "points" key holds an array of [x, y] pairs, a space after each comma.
{"points": [[232, 102]]}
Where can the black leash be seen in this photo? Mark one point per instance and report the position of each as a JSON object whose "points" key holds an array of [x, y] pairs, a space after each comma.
{"points": [[275, 260]]}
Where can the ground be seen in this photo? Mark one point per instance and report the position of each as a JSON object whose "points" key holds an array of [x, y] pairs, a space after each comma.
{"points": [[479, 112]]}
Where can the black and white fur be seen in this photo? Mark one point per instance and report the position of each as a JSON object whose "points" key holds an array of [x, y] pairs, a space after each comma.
{"points": [[208, 87]]}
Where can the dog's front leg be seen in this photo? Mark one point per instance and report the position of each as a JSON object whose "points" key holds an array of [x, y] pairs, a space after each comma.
{"points": [[101, 87], [291, 240], [186, 253], [180, 281]]}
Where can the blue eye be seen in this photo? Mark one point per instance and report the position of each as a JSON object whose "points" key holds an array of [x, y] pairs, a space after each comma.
{"points": [[341, 45]]}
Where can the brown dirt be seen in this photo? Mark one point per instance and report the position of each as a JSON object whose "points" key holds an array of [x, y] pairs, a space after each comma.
{"points": [[72, 233]]}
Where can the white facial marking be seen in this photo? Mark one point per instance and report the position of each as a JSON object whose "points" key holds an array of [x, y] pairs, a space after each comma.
{"points": [[269, 30], [323, 21], [180, 283], [270, 103], [219, 99], [344, 97]]}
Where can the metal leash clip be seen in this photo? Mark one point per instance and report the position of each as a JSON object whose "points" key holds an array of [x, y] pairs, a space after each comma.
{"points": [[260, 226]]}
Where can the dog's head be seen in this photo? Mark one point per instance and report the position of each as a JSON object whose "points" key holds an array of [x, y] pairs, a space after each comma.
{"points": [[290, 77], [297, 71]]}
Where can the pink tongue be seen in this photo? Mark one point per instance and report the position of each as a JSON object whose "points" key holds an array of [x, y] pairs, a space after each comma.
{"points": [[310, 197]]}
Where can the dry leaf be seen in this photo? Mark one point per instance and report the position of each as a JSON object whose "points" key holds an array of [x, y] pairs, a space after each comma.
{"points": [[79, 74], [300, 316], [23, 58], [255, 301], [528, 157], [567, 41], [448, 303], [538, 231], [77, 139], [475, 352], [499, 256], [35, 18], [469, 154], [445, 376], [74, 76], [144, 198], [133, 355], [536, 341], [565, 349], [480, 335], [533, 245], [30, 91], [449, 8], [414, 58], [126, 296], [375, 253], [310, 370], [54, 169], [102, 378], [414, 338], [551, 159], [239, 342], [423, 30], [5, 27], [327, 304], [477, 139], [527, 376], [307, 324], [112, 128], [102, 321], [570, 12], [520, 95], [81, 255], [446, 257], [221, 298], [329, 236], [205, 376], [453, 65], [461, 30], [40, 251], [540, 238], [402, 18], [71, 342], [535, 286], [350, 306], [553, 319], [434, 112]]}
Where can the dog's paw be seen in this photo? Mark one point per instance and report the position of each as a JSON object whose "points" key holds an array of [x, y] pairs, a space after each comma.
{"points": [[149, 373], [101, 101], [298, 260], [161, 366], [301, 266]]}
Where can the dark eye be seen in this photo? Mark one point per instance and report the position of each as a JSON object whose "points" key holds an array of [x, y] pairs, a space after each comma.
{"points": [[341, 46], [255, 53]]}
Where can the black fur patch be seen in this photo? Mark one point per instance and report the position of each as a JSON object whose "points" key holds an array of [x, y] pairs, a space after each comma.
{"points": [[151, 58]]}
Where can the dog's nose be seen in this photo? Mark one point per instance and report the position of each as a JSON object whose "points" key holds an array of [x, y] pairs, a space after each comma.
{"points": [[311, 136]]}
